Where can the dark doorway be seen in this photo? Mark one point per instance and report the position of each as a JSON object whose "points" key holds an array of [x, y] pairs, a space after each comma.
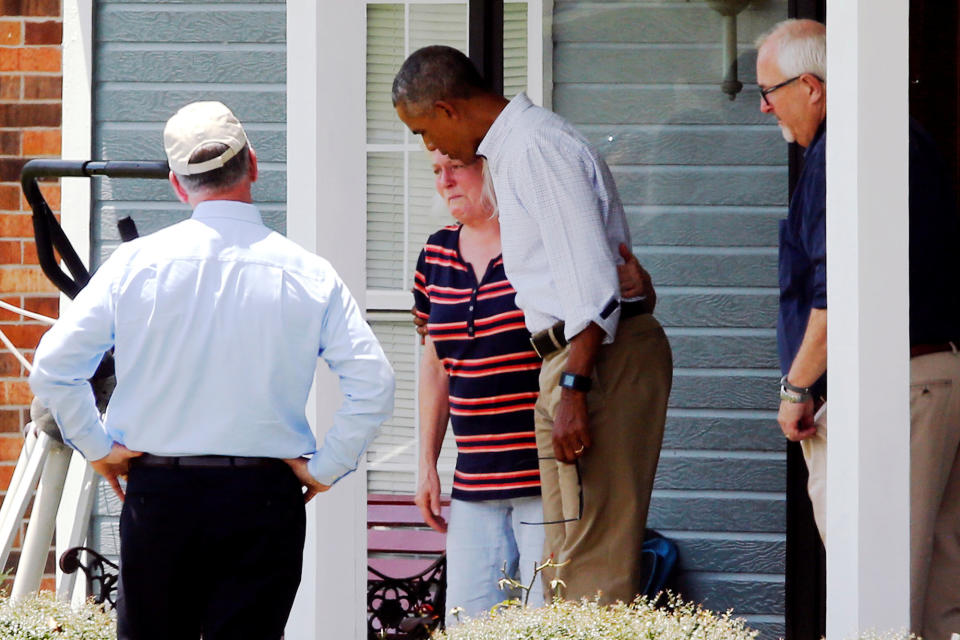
{"points": [[935, 103]]}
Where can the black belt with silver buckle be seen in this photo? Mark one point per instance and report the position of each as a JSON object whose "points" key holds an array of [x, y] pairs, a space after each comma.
{"points": [[552, 340], [148, 460]]}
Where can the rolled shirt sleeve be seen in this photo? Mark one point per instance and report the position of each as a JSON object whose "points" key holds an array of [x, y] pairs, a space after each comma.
{"points": [[354, 355], [558, 187], [69, 354]]}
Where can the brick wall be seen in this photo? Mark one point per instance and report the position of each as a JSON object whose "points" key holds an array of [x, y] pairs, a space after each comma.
{"points": [[30, 112]]}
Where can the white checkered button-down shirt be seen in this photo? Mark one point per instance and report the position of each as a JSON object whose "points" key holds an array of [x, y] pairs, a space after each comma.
{"points": [[561, 219]]}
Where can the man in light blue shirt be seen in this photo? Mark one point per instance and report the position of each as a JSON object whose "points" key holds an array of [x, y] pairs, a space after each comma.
{"points": [[217, 323]]}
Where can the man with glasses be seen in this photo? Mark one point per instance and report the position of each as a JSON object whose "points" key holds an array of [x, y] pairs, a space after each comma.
{"points": [[791, 74]]}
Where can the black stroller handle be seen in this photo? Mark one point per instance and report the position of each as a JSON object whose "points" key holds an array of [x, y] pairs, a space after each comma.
{"points": [[48, 232]]}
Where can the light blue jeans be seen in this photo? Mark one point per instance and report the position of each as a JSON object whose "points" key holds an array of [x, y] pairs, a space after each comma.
{"points": [[481, 538]]}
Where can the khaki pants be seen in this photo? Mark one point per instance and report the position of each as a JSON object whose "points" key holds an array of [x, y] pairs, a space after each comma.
{"points": [[934, 492], [627, 410]]}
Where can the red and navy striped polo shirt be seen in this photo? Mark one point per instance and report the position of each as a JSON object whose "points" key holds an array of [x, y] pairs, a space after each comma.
{"points": [[483, 343]]}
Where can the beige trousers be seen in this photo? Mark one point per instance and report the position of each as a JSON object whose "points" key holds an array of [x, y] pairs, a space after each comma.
{"points": [[627, 410], [934, 492]]}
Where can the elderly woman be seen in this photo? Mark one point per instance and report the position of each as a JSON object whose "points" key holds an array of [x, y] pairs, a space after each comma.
{"points": [[480, 372]]}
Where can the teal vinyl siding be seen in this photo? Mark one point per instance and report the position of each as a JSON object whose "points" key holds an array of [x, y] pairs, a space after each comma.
{"points": [[150, 59], [704, 181]]}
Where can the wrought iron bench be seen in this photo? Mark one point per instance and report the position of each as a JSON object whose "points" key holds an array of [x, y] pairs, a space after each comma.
{"points": [[407, 571], [406, 579]]}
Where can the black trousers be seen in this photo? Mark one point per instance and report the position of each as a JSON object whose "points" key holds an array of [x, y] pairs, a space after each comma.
{"points": [[211, 553]]}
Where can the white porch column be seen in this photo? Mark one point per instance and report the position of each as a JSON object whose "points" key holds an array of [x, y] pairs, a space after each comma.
{"points": [[867, 245], [326, 195]]}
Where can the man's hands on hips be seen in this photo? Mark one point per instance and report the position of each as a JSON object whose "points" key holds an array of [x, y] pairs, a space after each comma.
{"points": [[115, 465], [310, 484], [428, 499], [796, 419], [571, 426]]}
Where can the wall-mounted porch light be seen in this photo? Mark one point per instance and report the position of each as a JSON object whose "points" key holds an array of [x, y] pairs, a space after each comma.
{"points": [[729, 10]]}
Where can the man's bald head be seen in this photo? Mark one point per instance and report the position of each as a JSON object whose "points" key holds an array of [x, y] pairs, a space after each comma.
{"points": [[435, 73], [799, 46]]}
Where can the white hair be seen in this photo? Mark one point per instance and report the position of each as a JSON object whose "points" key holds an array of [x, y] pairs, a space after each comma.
{"points": [[488, 197], [801, 47]]}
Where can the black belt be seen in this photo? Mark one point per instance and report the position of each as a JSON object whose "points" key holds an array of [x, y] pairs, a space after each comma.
{"points": [[918, 350], [552, 340], [203, 462]]}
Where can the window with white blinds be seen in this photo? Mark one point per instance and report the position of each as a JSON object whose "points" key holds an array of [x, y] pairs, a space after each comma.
{"points": [[401, 211]]}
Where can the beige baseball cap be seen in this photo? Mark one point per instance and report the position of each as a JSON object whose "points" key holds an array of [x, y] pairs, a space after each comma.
{"points": [[195, 125]]}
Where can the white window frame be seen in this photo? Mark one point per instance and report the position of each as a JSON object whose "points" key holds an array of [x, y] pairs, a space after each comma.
{"points": [[326, 178]]}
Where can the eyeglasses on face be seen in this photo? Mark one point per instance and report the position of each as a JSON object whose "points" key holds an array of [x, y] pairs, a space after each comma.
{"points": [[765, 92]]}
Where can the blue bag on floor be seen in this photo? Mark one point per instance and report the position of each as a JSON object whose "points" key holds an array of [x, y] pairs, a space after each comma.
{"points": [[659, 562]]}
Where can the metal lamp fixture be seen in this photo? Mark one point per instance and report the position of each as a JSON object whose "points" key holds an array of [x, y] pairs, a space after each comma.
{"points": [[729, 10]]}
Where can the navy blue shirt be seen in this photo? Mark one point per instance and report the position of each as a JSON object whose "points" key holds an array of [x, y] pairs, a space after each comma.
{"points": [[482, 341], [803, 254], [934, 250]]}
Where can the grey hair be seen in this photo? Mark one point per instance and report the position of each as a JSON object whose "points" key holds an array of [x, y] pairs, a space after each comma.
{"points": [[435, 73], [801, 47], [216, 179]]}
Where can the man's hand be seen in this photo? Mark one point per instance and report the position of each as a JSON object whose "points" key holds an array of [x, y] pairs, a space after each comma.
{"points": [[428, 499], [571, 426], [115, 465], [796, 420], [310, 484], [634, 279]]}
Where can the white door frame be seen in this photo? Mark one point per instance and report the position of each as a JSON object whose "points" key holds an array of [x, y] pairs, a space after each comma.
{"points": [[868, 498]]}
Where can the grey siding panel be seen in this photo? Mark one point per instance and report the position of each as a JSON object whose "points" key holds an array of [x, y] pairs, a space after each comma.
{"points": [[655, 23], [192, 65], [720, 473], [735, 431], [128, 102], [686, 144], [131, 24], [151, 58], [632, 104], [717, 309], [704, 183], [720, 269], [645, 64], [704, 226], [717, 513], [667, 185], [717, 350], [732, 555], [724, 391], [744, 596]]}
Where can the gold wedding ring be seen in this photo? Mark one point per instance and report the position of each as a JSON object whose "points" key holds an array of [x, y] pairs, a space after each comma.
{"points": [[579, 451]]}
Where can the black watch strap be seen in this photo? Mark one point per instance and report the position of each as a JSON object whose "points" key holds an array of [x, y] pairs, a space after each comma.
{"points": [[575, 381]]}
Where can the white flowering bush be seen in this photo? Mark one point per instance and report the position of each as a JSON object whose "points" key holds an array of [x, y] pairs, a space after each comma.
{"points": [[45, 618], [590, 620]]}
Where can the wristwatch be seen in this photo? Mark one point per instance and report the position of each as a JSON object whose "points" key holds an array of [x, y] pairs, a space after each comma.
{"points": [[793, 393], [575, 381]]}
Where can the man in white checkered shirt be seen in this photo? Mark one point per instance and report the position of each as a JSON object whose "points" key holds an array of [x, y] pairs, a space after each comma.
{"points": [[607, 367]]}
